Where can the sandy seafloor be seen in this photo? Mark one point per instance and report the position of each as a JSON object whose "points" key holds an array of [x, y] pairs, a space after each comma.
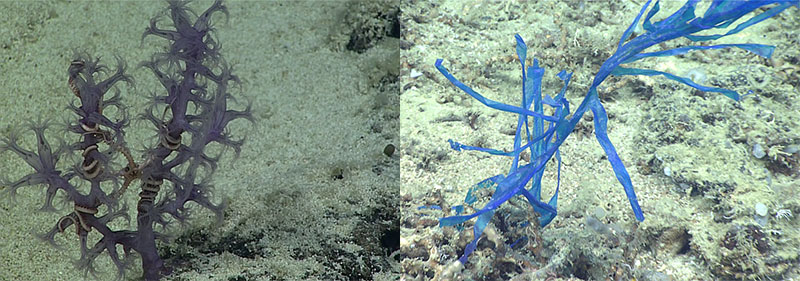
{"points": [[312, 195], [689, 153]]}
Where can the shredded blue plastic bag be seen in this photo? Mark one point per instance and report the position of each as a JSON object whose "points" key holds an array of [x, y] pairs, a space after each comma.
{"points": [[544, 134]]}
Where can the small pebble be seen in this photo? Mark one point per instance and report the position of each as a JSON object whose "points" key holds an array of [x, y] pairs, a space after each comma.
{"points": [[389, 150], [600, 213], [761, 209], [758, 151]]}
